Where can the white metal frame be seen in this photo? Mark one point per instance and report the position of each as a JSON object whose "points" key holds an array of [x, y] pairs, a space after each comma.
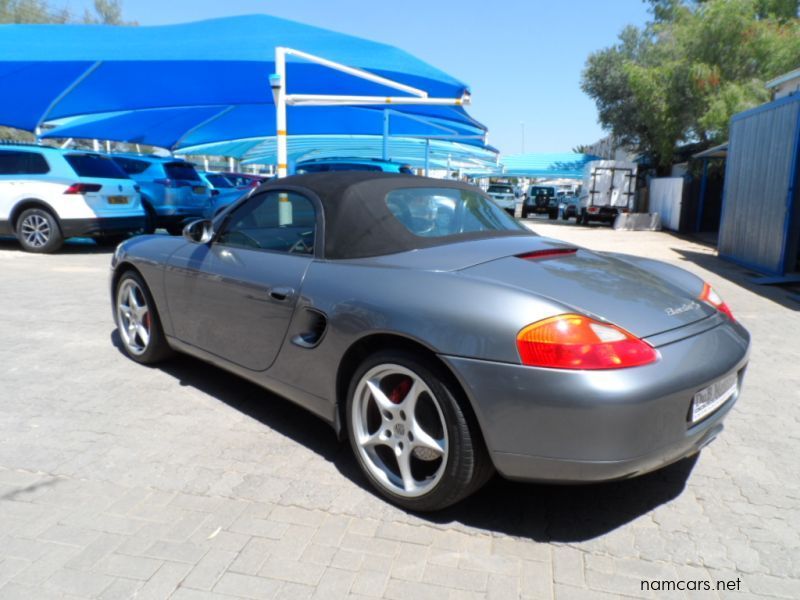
{"points": [[282, 99]]}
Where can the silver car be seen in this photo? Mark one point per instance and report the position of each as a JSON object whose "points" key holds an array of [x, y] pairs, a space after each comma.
{"points": [[439, 335]]}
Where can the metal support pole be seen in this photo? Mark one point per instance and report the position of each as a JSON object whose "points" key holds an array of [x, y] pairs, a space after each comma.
{"points": [[427, 157], [701, 204], [279, 93], [385, 135]]}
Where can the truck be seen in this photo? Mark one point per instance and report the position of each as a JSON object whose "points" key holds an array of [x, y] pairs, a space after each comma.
{"points": [[608, 190]]}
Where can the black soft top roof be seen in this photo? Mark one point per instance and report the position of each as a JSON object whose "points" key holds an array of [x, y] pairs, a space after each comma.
{"points": [[358, 222]]}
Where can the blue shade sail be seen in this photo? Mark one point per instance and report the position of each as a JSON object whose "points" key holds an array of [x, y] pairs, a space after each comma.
{"points": [[53, 71]]}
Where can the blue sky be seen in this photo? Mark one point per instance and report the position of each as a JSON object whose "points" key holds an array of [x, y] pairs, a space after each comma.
{"points": [[522, 59]]}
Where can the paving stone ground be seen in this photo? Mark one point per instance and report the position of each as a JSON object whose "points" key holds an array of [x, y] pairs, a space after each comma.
{"points": [[121, 481]]}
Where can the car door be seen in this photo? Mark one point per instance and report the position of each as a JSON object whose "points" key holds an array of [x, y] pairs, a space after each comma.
{"points": [[235, 296]]}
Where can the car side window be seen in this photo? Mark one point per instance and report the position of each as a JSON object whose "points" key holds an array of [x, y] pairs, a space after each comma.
{"points": [[15, 162], [272, 221]]}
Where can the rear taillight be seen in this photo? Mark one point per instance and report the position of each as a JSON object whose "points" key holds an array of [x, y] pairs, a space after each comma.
{"points": [[573, 341], [83, 188], [709, 296]]}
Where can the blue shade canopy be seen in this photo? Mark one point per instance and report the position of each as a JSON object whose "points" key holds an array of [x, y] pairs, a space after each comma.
{"points": [[566, 164], [175, 128], [54, 71], [404, 150]]}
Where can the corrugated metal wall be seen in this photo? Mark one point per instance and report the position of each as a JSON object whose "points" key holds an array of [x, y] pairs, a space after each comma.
{"points": [[762, 161]]}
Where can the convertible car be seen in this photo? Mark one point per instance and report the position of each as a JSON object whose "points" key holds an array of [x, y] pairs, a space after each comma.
{"points": [[439, 335]]}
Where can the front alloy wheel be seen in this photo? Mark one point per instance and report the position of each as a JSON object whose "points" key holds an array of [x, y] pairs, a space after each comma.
{"points": [[410, 434], [137, 321]]}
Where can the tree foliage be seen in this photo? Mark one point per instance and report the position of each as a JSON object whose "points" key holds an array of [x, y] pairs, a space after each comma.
{"points": [[682, 76]]}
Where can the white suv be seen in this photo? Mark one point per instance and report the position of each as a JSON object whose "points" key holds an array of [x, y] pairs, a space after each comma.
{"points": [[48, 195]]}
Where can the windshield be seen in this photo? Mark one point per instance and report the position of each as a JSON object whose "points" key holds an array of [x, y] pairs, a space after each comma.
{"points": [[95, 165], [442, 212], [500, 189]]}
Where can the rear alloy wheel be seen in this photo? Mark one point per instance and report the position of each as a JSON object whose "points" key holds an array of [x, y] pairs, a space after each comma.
{"points": [[410, 435], [137, 321], [38, 231]]}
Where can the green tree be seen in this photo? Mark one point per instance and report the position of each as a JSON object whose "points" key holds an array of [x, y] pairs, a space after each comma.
{"points": [[682, 76]]}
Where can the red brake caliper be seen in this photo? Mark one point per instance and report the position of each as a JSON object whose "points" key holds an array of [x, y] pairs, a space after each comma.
{"points": [[398, 393]]}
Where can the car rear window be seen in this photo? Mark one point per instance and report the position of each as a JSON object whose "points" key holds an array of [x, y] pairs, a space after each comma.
{"points": [[131, 165], [181, 170], [15, 162], [442, 212], [95, 165], [218, 181], [543, 191]]}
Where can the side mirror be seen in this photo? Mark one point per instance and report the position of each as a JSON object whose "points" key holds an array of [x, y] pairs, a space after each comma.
{"points": [[199, 232]]}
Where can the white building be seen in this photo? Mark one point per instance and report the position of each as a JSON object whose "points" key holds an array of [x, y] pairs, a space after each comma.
{"points": [[785, 85]]}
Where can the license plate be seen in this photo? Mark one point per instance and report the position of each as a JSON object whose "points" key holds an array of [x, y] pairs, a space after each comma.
{"points": [[199, 190], [711, 398], [117, 199]]}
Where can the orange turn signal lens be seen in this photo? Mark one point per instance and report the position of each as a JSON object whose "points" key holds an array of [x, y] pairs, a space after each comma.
{"points": [[573, 341], [709, 296]]}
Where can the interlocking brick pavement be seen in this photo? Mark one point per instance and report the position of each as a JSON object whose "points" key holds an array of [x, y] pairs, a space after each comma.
{"points": [[122, 481]]}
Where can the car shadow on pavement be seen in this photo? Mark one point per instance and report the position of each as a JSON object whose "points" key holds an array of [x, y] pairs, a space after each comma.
{"points": [[567, 513], [785, 295], [71, 246], [546, 513]]}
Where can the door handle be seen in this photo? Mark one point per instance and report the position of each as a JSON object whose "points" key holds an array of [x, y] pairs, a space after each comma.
{"points": [[281, 293]]}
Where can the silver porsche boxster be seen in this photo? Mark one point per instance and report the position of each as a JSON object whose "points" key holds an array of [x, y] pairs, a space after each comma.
{"points": [[441, 337]]}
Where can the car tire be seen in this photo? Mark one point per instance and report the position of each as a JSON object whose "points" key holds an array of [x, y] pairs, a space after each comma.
{"points": [[564, 216], [524, 214], [38, 231], [138, 323], [150, 218], [437, 441], [552, 215]]}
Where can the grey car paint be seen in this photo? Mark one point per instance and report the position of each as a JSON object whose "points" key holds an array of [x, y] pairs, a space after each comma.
{"points": [[465, 302]]}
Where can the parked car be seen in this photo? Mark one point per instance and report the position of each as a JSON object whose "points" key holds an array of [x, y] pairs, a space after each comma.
{"points": [[245, 181], [541, 199], [49, 194], [223, 191], [504, 196], [439, 334], [172, 191], [568, 206], [321, 165]]}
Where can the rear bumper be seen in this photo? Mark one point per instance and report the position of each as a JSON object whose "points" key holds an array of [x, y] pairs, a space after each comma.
{"points": [[580, 426], [606, 213], [101, 226]]}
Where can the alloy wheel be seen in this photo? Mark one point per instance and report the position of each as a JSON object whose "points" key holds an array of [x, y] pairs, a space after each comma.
{"points": [[400, 430], [36, 230], [133, 316]]}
